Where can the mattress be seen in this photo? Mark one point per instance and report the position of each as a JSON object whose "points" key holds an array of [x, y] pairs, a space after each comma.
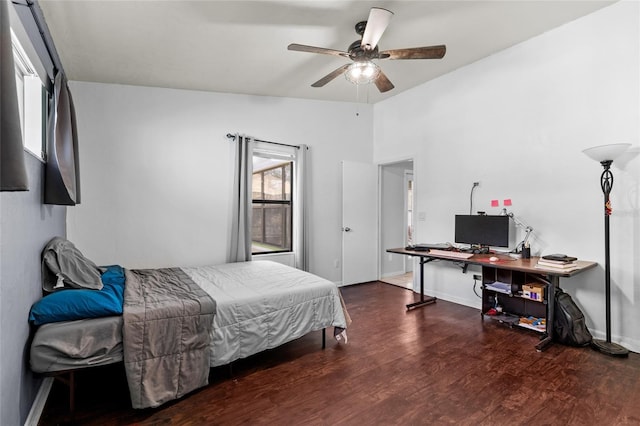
{"points": [[260, 305], [71, 345], [264, 304]]}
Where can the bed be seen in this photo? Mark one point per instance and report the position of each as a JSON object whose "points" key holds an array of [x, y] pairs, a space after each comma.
{"points": [[257, 305]]}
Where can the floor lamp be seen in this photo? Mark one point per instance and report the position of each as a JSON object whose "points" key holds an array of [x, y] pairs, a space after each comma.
{"points": [[605, 154]]}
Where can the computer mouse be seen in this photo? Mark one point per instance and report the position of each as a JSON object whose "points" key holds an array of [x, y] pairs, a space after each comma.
{"points": [[493, 259]]}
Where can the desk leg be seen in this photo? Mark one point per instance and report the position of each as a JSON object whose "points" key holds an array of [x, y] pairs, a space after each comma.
{"points": [[423, 300], [547, 338]]}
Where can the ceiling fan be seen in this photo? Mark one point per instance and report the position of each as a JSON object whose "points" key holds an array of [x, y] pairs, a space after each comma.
{"points": [[362, 70]]}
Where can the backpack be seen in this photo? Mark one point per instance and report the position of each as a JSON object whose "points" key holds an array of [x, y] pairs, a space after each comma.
{"points": [[569, 325]]}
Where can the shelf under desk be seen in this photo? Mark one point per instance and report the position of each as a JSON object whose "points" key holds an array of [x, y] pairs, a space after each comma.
{"points": [[550, 277]]}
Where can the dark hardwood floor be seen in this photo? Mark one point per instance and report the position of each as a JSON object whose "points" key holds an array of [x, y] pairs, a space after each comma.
{"points": [[441, 364]]}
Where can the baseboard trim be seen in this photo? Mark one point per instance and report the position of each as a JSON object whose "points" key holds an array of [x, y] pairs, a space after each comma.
{"points": [[39, 402]]}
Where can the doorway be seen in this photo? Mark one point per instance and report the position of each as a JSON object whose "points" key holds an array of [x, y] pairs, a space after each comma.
{"points": [[397, 198]]}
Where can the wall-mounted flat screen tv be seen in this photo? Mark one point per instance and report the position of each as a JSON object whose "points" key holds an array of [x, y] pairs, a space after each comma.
{"points": [[482, 230]]}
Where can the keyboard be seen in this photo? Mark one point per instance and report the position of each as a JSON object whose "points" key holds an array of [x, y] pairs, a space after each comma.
{"points": [[452, 254]]}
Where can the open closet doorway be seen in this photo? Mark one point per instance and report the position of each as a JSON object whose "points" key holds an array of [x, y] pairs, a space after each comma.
{"points": [[396, 221]]}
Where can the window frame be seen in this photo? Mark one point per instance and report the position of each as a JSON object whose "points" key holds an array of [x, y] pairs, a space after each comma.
{"points": [[263, 201], [29, 86]]}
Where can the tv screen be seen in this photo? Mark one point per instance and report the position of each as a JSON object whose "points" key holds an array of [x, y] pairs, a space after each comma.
{"points": [[482, 230]]}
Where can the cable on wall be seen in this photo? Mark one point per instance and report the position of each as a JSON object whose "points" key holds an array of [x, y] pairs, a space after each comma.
{"points": [[475, 184]]}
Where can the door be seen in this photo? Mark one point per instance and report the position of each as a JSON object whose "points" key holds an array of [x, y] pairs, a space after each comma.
{"points": [[359, 222]]}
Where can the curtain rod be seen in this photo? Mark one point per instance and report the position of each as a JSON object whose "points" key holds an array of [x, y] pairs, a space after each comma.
{"points": [[230, 136]]}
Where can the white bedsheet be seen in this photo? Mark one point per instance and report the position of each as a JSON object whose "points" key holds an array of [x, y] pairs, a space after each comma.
{"points": [[263, 304]]}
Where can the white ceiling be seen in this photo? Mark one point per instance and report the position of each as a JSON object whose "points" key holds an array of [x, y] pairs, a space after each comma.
{"points": [[241, 46]]}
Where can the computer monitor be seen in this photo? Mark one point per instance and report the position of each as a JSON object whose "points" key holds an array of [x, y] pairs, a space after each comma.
{"points": [[482, 230]]}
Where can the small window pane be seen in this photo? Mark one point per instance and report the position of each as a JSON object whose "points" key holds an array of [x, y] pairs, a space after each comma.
{"points": [[271, 188], [256, 186], [30, 100], [273, 184], [257, 226]]}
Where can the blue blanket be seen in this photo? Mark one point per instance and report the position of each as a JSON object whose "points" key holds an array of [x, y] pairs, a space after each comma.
{"points": [[74, 304]]}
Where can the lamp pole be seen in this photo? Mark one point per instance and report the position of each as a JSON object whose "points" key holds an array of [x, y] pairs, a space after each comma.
{"points": [[605, 154], [607, 347], [606, 183]]}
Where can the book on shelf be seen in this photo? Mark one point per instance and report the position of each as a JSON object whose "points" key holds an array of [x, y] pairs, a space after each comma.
{"points": [[499, 287], [533, 323]]}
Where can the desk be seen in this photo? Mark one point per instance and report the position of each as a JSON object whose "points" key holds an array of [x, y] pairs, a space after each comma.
{"points": [[550, 277]]}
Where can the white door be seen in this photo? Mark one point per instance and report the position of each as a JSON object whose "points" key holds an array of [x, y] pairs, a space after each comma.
{"points": [[359, 222]]}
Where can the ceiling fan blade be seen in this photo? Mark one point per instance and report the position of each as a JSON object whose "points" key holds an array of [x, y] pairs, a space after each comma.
{"points": [[376, 24], [333, 74], [383, 84], [428, 52], [313, 49]]}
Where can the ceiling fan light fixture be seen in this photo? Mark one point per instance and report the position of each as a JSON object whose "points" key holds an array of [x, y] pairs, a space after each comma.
{"points": [[362, 72]]}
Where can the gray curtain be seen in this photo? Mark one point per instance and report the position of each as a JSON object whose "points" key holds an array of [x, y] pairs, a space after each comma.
{"points": [[13, 174], [62, 175], [300, 220], [240, 244]]}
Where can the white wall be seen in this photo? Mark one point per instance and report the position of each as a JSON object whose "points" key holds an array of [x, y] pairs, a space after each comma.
{"points": [[517, 122], [156, 170]]}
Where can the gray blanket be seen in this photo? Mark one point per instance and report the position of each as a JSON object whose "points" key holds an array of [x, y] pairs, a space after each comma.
{"points": [[64, 266], [167, 327]]}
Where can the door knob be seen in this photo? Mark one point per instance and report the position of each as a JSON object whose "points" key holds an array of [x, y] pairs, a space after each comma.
{"points": [[346, 229]]}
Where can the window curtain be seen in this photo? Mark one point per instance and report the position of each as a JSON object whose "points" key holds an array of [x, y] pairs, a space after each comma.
{"points": [[245, 149], [62, 174], [240, 244], [13, 173], [300, 220]]}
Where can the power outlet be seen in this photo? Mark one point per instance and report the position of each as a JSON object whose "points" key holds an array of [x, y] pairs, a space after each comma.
{"points": [[336, 263], [477, 277], [390, 257]]}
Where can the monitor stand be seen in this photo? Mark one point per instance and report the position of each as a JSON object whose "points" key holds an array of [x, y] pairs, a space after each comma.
{"points": [[477, 249]]}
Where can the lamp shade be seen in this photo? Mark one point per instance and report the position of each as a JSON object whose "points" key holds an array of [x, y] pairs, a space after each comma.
{"points": [[606, 152]]}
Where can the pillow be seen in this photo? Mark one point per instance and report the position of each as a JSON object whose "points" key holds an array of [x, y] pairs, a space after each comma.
{"points": [[74, 304]]}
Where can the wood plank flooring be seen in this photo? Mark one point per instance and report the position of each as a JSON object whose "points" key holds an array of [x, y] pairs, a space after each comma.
{"points": [[437, 365]]}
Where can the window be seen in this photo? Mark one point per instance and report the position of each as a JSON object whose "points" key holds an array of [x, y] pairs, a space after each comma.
{"points": [[30, 100], [272, 207]]}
